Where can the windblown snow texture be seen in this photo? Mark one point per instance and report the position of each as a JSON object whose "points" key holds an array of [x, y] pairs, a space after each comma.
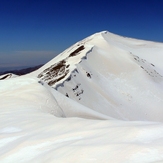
{"points": [[101, 100]]}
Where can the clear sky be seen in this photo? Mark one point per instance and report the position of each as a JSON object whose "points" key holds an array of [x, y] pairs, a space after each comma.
{"points": [[34, 31]]}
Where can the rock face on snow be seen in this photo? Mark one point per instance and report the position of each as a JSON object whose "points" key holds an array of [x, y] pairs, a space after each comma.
{"points": [[116, 76], [7, 76]]}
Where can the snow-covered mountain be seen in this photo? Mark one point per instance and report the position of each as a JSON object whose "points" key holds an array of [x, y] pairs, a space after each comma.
{"points": [[111, 75], [101, 100]]}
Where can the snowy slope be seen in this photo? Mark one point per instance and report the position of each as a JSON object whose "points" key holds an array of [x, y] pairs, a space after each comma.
{"points": [[111, 75], [99, 101]]}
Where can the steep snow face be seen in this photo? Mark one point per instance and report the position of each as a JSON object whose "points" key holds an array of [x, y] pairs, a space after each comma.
{"points": [[116, 76]]}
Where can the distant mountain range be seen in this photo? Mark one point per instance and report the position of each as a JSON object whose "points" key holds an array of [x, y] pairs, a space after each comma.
{"points": [[22, 71]]}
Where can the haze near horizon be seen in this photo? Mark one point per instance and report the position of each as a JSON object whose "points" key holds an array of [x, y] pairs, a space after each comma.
{"points": [[33, 33]]}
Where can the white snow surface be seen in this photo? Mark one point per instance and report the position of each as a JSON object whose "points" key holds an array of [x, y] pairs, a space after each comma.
{"points": [[99, 101]]}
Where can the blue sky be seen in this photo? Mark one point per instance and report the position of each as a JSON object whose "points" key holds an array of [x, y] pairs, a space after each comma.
{"points": [[33, 32]]}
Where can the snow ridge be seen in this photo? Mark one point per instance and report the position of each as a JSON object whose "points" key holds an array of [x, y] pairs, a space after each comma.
{"points": [[7, 76], [82, 72], [99, 99]]}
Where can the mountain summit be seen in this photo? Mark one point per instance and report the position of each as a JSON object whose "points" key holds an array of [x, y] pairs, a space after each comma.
{"points": [[113, 75]]}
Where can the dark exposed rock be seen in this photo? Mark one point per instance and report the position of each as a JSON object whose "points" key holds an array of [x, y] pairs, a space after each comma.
{"points": [[88, 75], [4, 77], [54, 73], [74, 53], [67, 95]]}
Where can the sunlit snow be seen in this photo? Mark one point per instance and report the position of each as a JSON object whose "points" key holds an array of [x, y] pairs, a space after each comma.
{"points": [[101, 100]]}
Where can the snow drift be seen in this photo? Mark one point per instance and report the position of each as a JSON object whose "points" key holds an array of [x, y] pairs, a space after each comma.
{"points": [[100, 100]]}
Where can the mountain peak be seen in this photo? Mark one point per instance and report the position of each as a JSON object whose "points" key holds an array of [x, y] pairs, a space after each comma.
{"points": [[110, 70], [61, 67]]}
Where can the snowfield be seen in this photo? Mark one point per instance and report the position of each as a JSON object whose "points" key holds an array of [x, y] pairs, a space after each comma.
{"points": [[99, 101]]}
